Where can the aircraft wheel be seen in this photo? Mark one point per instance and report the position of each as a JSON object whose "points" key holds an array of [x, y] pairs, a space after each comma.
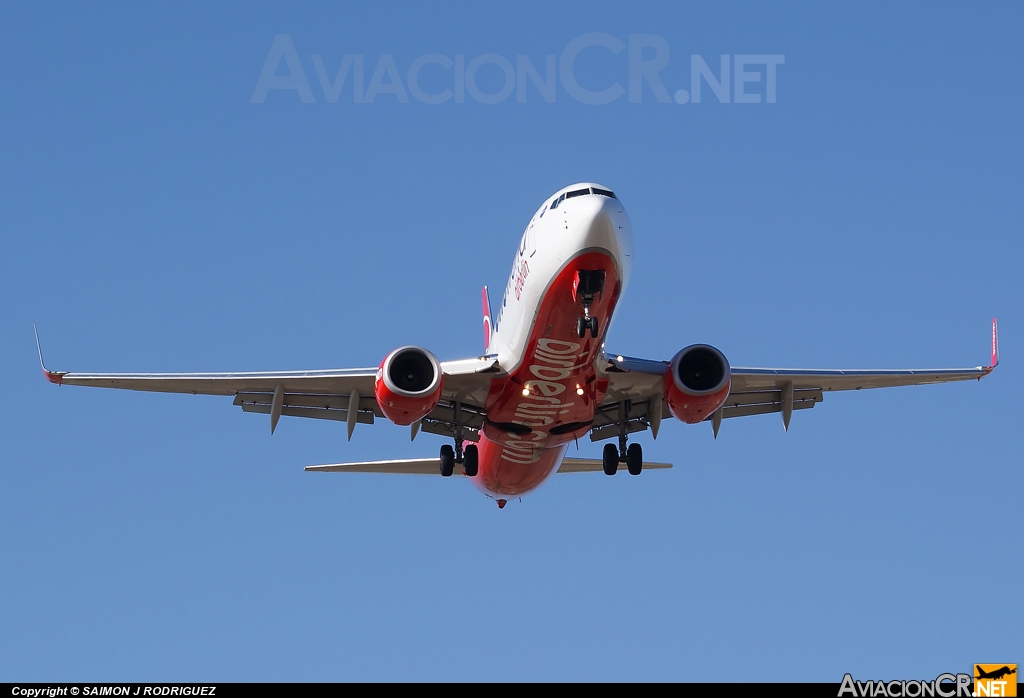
{"points": [[593, 327], [610, 459], [471, 461], [581, 327], [635, 459], [447, 460]]}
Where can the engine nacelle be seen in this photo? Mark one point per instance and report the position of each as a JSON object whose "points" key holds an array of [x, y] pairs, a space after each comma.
{"points": [[697, 382], [408, 384]]}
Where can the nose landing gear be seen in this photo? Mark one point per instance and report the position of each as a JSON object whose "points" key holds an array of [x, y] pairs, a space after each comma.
{"points": [[585, 322], [585, 286]]}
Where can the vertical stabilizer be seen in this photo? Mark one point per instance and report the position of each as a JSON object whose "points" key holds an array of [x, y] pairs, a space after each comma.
{"points": [[488, 327]]}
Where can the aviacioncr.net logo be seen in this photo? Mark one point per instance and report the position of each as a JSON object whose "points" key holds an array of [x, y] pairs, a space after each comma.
{"points": [[942, 686]]}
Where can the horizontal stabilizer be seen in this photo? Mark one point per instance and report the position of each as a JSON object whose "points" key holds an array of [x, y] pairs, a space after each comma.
{"points": [[432, 466], [592, 465], [404, 466]]}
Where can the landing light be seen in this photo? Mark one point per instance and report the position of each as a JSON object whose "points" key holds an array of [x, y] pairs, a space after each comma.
{"points": [[526, 391], [579, 391]]}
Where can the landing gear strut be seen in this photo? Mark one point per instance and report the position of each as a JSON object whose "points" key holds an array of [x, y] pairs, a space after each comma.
{"points": [[468, 456], [632, 456], [586, 285]]}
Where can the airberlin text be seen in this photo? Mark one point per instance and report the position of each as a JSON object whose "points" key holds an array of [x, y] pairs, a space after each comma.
{"points": [[521, 274], [943, 686], [554, 361]]}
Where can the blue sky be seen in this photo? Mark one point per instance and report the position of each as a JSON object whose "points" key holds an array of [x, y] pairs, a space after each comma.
{"points": [[153, 218]]}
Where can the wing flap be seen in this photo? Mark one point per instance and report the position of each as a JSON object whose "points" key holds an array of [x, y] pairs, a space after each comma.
{"points": [[310, 412], [765, 408], [765, 402], [335, 402]]}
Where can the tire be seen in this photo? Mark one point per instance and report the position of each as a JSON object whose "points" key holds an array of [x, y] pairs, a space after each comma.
{"points": [[635, 459], [447, 461], [581, 327], [610, 459], [471, 461], [593, 327]]}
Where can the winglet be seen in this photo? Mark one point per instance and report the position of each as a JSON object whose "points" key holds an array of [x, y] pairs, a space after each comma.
{"points": [[56, 378], [488, 326], [995, 346]]}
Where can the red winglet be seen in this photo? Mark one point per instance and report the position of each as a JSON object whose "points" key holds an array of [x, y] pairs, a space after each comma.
{"points": [[57, 378], [995, 345]]}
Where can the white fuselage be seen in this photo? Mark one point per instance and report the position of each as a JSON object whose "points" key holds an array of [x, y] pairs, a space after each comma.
{"points": [[551, 387], [553, 236]]}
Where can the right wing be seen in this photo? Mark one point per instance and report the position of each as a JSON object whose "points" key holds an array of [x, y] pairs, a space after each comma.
{"points": [[635, 396]]}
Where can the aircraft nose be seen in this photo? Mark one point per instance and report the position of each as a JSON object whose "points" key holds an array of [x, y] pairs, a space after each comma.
{"points": [[597, 223], [601, 224]]}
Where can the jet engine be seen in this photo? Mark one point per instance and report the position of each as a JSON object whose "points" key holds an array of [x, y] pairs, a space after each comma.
{"points": [[408, 384], [697, 382]]}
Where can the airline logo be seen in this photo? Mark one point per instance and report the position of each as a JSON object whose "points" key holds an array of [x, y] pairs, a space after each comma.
{"points": [[521, 273], [995, 680], [546, 396]]}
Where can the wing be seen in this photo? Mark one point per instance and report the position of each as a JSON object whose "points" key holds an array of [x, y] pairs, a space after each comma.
{"points": [[432, 466], [635, 390], [321, 394]]}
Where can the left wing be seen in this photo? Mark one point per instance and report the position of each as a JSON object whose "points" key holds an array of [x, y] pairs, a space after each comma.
{"points": [[635, 390], [345, 394]]}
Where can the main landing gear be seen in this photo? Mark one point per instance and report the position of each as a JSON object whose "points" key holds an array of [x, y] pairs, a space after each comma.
{"points": [[471, 462], [586, 285], [633, 456], [468, 457]]}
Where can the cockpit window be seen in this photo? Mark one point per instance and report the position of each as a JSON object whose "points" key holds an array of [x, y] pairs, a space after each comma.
{"points": [[581, 192]]}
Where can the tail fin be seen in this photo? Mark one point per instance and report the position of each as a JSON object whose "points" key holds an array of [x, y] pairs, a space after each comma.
{"points": [[488, 327]]}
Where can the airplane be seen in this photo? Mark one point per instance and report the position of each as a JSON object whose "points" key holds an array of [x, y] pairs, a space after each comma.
{"points": [[996, 674], [544, 379]]}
